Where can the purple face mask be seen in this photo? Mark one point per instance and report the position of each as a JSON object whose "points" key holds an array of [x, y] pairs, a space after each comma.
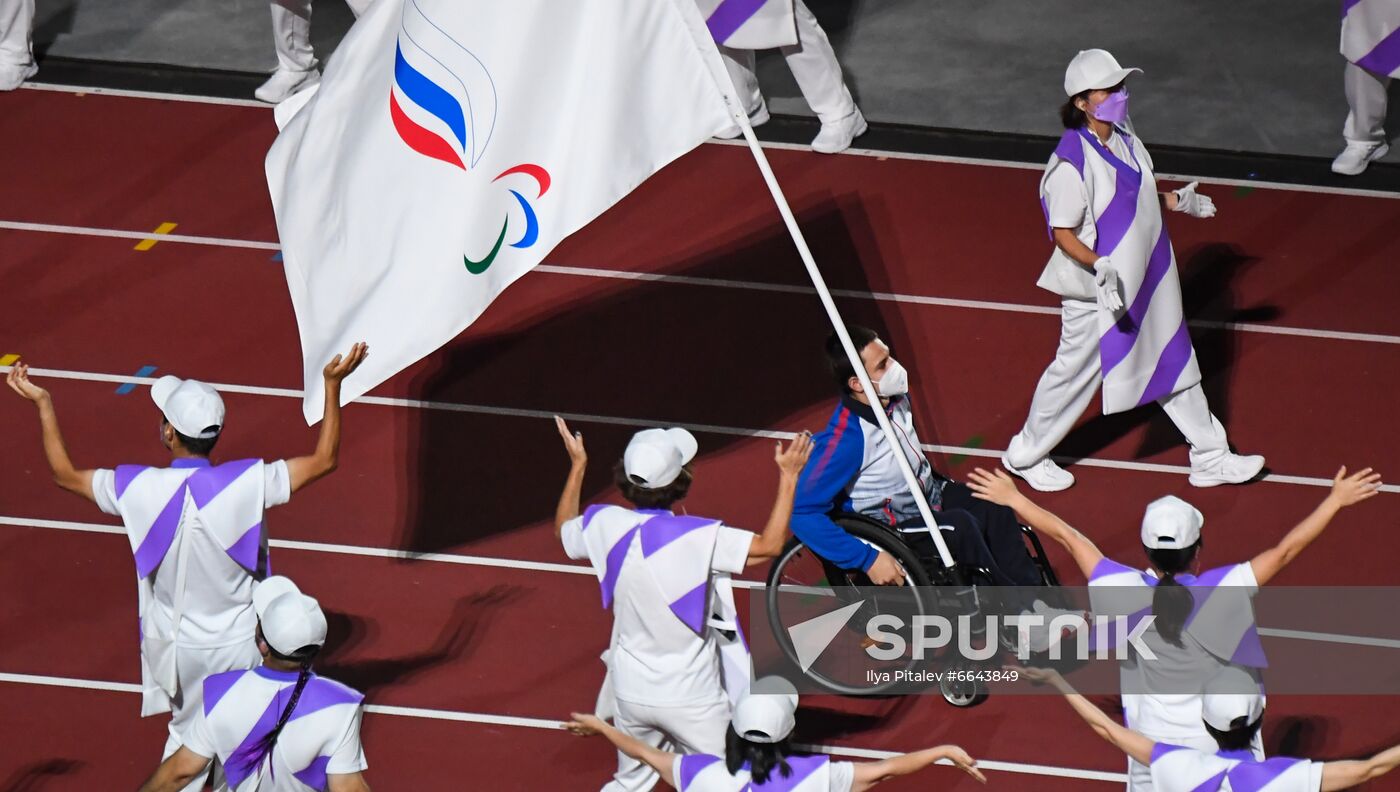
{"points": [[1113, 109]]}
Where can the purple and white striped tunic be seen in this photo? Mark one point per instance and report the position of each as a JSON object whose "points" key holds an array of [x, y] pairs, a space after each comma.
{"points": [[704, 773], [1178, 769], [1146, 353], [1371, 35], [750, 24], [321, 738]]}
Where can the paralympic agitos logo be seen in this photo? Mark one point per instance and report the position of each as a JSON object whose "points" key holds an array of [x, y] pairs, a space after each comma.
{"points": [[443, 105]]}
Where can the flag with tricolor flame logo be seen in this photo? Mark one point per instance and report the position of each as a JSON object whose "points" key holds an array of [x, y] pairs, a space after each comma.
{"points": [[750, 24], [452, 144]]}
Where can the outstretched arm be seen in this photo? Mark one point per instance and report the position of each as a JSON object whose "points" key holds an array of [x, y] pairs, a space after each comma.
{"points": [[323, 461], [999, 488], [1117, 735], [790, 462], [78, 482], [1345, 775], [568, 507], [1346, 490], [176, 772], [868, 774], [659, 760]]}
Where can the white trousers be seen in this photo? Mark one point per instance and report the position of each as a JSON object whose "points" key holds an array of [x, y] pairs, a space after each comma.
{"points": [[16, 26], [814, 66], [683, 730], [191, 667], [1366, 96], [291, 32], [1069, 384]]}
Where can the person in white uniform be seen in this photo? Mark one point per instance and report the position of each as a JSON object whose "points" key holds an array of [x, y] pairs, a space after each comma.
{"points": [[817, 72], [758, 755], [197, 533], [1122, 323], [1371, 45], [297, 67], [1203, 622], [677, 659], [16, 48], [277, 727], [1232, 712]]}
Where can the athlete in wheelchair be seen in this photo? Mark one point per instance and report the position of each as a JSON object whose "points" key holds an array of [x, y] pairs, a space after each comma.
{"points": [[855, 517]]}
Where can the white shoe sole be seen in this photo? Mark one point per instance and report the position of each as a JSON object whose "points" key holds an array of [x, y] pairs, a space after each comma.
{"points": [[1214, 480], [1033, 485], [1356, 170]]}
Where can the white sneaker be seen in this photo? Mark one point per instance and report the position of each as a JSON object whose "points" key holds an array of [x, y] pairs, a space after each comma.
{"points": [[1043, 476], [757, 119], [1229, 469], [283, 83], [837, 136], [11, 75], [1356, 156]]}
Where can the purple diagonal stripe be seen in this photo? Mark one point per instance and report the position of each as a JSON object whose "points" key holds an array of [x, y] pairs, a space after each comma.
{"points": [[124, 475], [1162, 749], [207, 483], [591, 512], [802, 769], [1212, 784], [690, 608], [1071, 150], [322, 693], [1118, 216], [245, 551], [691, 765], [1119, 340], [157, 542], [216, 686], [1384, 58], [1347, 4], [730, 16], [1175, 356], [1250, 651], [613, 566], [314, 775], [664, 529], [1256, 776], [246, 758]]}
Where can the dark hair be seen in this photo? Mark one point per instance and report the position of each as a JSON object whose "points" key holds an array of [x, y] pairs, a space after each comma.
{"points": [[1171, 601], [254, 755], [762, 758], [643, 498], [199, 446], [1070, 115], [836, 359], [1240, 736]]}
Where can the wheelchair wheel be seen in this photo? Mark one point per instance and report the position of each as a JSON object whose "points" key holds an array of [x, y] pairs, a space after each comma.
{"points": [[962, 692], [802, 586]]}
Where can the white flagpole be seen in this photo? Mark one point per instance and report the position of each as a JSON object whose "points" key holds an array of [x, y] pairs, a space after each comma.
{"points": [[835, 316]]}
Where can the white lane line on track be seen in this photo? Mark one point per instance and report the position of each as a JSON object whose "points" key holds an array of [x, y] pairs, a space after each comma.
{"points": [[555, 725], [722, 283], [513, 412], [855, 152], [572, 569]]}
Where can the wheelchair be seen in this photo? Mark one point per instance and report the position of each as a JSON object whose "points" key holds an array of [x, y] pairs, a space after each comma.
{"points": [[800, 579]]}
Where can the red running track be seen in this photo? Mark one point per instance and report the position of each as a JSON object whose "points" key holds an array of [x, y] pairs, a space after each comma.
{"points": [[523, 642]]}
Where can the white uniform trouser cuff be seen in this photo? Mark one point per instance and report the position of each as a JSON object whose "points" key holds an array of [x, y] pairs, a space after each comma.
{"points": [[814, 67], [1366, 96]]}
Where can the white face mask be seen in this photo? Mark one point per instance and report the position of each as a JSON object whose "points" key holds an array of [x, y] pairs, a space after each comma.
{"points": [[895, 382]]}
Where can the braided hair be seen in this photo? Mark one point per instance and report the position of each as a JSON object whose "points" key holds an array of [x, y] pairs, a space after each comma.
{"points": [[261, 749]]}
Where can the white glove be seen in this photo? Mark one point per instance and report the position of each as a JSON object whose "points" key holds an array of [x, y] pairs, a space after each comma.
{"points": [[1106, 280], [1193, 203]]}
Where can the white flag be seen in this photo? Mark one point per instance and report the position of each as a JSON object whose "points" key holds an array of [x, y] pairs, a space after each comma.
{"points": [[453, 143], [750, 24]]}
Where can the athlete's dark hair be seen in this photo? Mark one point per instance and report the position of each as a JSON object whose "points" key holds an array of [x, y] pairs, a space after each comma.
{"points": [[1171, 601], [1070, 115], [1240, 736], [199, 446], [253, 758], [762, 758], [643, 498], [836, 359]]}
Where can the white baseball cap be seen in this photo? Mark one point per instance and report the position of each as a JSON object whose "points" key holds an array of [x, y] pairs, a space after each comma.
{"points": [[290, 619], [654, 457], [193, 408], [767, 714], [1232, 694], [1171, 523], [1094, 68]]}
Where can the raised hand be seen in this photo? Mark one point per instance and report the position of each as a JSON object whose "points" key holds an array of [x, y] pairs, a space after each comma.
{"points": [[573, 442], [18, 380], [792, 459], [996, 487], [1351, 490], [341, 365]]}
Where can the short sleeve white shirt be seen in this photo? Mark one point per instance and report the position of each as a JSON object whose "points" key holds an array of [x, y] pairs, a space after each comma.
{"points": [[218, 602]]}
